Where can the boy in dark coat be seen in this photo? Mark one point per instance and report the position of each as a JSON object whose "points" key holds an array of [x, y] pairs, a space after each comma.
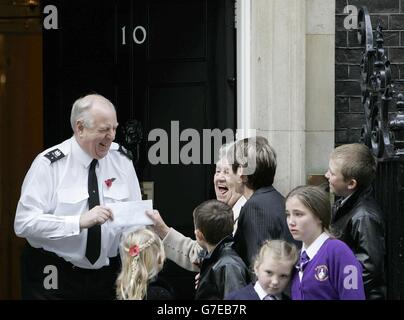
{"points": [[222, 270], [356, 217]]}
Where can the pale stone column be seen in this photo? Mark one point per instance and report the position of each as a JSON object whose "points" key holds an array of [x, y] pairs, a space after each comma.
{"points": [[278, 77], [320, 84]]}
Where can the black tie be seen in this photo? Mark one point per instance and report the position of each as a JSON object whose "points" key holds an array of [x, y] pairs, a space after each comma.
{"points": [[335, 208], [94, 233]]}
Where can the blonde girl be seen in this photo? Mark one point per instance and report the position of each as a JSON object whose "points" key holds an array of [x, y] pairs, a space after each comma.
{"points": [[142, 254]]}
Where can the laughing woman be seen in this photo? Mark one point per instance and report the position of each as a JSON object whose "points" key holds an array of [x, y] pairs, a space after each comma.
{"points": [[183, 250], [328, 270]]}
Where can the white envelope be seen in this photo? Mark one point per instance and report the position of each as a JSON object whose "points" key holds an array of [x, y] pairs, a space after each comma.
{"points": [[130, 213]]}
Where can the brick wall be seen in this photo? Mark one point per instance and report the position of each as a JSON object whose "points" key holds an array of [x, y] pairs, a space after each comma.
{"points": [[349, 116]]}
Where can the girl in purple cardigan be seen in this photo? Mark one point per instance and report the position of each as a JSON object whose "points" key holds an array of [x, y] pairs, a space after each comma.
{"points": [[327, 270]]}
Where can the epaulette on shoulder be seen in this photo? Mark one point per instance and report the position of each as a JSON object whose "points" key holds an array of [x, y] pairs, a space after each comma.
{"points": [[125, 152], [54, 155]]}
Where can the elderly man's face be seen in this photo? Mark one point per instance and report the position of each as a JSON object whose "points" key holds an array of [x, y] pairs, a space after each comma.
{"points": [[97, 139], [225, 182]]}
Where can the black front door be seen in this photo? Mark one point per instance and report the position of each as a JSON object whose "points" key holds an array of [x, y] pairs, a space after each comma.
{"points": [[168, 64]]}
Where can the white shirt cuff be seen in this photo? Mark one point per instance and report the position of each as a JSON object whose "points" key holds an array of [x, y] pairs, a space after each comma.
{"points": [[72, 225]]}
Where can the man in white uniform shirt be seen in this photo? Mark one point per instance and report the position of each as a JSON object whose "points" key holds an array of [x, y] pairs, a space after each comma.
{"points": [[64, 199]]}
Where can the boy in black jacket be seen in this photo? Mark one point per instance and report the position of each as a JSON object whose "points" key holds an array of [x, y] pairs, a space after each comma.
{"points": [[356, 217], [222, 270]]}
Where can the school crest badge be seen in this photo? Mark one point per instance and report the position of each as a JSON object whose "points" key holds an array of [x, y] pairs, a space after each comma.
{"points": [[321, 272]]}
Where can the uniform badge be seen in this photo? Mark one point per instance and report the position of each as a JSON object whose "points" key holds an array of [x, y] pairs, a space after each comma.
{"points": [[321, 272], [54, 155]]}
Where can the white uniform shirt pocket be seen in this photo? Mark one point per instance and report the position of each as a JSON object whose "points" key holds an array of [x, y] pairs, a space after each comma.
{"points": [[71, 201], [116, 192]]}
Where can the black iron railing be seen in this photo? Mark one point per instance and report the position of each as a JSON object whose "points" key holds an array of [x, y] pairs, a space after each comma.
{"points": [[385, 137], [383, 133]]}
